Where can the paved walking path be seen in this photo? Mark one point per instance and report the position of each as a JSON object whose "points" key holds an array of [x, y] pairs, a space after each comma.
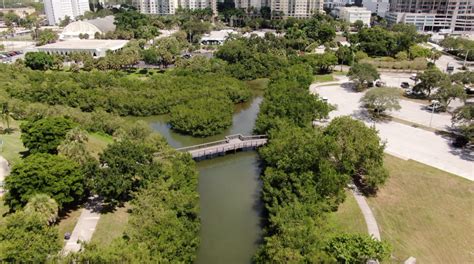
{"points": [[4, 171], [84, 228], [370, 221]]}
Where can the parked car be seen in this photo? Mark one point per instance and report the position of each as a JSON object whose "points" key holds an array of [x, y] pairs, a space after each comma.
{"points": [[413, 77], [435, 106], [405, 85], [380, 83], [413, 93]]}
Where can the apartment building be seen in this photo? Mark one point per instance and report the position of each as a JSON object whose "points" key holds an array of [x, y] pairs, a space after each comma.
{"points": [[57, 10], [379, 7], [455, 16], [281, 8], [296, 8], [169, 7], [248, 4]]}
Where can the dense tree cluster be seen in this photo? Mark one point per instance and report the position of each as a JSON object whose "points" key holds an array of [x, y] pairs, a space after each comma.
{"points": [[161, 185], [379, 41], [306, 170], [202, 117], [25, 237], [460, 47], [364, 75], [53, 175], [253, 57], [117, 93], [45, 135], [287, 99]]}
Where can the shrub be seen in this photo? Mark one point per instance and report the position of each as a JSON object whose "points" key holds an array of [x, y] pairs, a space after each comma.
{"points": [[202, 117]]}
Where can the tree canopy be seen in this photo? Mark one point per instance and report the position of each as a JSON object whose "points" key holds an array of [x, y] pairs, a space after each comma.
{"points": [[46, 134], [39, 60], [381, 99], [363, 74], [358, 152], [56, 176], [202, 117], [25, 237]]}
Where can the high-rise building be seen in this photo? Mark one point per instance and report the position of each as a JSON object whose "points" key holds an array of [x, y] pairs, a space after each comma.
{"points": [[379, 7], [169, 7], [57, 10], [456, 16], [248, 4], [285, 8], [296, 8]]}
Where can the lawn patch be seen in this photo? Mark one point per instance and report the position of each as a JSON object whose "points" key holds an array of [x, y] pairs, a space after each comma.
{"points": [[12, 144], [349, 218], [323, 78], [426, 213], [68, 221], [111, 225], [97, 143]]}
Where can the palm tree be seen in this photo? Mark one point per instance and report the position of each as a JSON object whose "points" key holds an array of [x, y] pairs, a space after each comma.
{"points": [[435, 55], [6, 117], [73, 146], [44, 205]]}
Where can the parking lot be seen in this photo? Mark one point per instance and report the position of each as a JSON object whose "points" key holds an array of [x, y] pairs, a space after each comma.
{"points": [[403, 140]]}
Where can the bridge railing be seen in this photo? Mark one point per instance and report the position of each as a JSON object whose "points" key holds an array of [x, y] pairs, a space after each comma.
{"points": [[220, 142], [243, 138], [204, 145]]}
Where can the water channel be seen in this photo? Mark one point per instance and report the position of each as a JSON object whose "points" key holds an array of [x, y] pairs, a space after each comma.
{"points": [[229, 190]]}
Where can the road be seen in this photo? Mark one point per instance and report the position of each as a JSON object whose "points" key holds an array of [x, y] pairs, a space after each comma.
{"points": [[404, 141], [4, 171]]}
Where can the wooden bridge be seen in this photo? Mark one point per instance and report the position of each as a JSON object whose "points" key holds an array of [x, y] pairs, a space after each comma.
{"points": [[231, 143]]}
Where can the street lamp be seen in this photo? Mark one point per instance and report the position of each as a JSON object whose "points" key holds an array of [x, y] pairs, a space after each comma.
{"points": [[465, 58]]}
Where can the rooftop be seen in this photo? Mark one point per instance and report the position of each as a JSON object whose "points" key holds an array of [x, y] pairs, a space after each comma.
{"points": [[112, 44]]}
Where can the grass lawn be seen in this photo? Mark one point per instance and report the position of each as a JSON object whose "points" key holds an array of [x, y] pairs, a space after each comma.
{"points": [[111, 225], [12, 145], [258, 84], [323, 78], [97, 143], [426, 213], [68, 221], [349, 218]]}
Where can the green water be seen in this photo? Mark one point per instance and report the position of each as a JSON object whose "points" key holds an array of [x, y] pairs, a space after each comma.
{"points": [[229, 190]]}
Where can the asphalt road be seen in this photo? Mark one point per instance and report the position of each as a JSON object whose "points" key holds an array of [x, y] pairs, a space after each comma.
{"points": [[404, 141]]}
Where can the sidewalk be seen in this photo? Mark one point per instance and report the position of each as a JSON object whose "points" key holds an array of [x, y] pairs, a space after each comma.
{"points": [[370, 221], [4, 171], [84, 228]]}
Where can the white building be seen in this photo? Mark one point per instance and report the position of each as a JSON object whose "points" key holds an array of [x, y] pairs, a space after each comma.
{"points": [[448, 16], [380, 7], [57, 10], [352, 14], [217, 37], [296, 8], [169, 7], [90, 27], [97, 48]]}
